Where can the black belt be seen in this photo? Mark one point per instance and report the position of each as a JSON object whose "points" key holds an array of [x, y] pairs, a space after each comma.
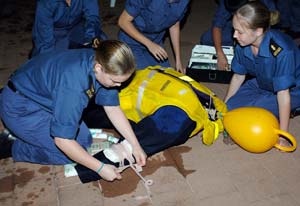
{"points": [[11, 85]]}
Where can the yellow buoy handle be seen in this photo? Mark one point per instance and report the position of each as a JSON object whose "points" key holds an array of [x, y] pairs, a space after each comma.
{"points": [[289, 137]]}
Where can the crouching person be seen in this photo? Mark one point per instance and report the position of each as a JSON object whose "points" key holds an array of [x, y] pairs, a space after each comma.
{"points": [[42, 105]]}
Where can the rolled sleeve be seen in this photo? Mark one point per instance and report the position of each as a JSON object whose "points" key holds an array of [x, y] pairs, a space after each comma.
{"points": [[284, 75], [133, 7], [283, 82], [222, 16], [63, 131], [107, 97], [68, 107], [92, 24], [237, 67], [43, 30]]}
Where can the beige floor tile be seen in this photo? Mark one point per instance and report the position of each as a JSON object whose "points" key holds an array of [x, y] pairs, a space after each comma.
{"points": [[80, 194], [226, 199], [62, 181], [6, 168], [279, 200], [40, 192], [258, 189], [6, 201]]}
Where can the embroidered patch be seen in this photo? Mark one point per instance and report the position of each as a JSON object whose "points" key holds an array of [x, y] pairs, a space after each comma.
{"points": [[274, 48], [90, 92]]}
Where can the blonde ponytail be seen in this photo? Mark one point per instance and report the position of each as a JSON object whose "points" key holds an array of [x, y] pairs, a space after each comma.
{"points": [[274, 17]]}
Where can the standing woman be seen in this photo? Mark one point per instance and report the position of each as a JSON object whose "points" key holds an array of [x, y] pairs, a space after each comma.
{"points": [[143, 26], [65, 24], [271, 57], [43, 102]]}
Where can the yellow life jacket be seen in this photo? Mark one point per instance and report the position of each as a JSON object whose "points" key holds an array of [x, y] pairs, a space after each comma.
{"points": [[155, 87]]}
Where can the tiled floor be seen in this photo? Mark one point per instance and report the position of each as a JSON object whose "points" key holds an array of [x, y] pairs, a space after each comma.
{"points": [[191, 174]]}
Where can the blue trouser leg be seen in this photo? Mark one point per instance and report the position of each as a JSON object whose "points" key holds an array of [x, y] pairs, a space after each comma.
{"points": [[77, 37], [227, 36], [251, 95], [31, 124], [144, 58], [168, 126]]}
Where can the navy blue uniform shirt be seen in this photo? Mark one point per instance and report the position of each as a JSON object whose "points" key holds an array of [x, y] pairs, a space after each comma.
{"points": [[153, 18], [59, 82], [277, 64]]}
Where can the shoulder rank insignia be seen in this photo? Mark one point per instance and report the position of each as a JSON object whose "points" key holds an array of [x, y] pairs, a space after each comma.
{"points": [[91, 91], [274, 48]]}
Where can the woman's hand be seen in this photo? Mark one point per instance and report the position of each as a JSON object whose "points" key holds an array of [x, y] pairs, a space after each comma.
{"points": [[180, 68], [157, 51], [222, 61], [110, 173], [140, 155]]}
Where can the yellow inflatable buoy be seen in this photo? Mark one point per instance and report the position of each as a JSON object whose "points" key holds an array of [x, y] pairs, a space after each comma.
{"points": [[256, 130]]}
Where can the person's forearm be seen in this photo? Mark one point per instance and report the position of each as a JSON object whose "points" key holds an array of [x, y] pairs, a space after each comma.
{"points": [[125, 23], [175, 39], [284, 106], [217, 38], [75, 152], [121, 123], [235, 83], [43, 29], [93, 27]]}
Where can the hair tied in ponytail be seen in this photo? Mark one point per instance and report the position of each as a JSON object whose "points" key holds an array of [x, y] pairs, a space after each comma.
{"points": [[96, 42]]}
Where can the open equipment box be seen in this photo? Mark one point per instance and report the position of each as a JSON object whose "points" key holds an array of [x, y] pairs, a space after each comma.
{"points": [[203, 64]]}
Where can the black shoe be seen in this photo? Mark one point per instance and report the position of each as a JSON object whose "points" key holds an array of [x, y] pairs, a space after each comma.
{"points": [[295, 112], [5, 145]]}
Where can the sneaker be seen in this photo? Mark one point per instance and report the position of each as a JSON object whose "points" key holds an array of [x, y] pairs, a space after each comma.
{"points": [[119, 153], [7, 133], [5, 145], [295, 112]]}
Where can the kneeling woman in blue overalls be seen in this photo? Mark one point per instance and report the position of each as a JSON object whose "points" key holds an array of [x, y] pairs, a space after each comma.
{"points": [[272, 58], [65, 24], [43, 102]]}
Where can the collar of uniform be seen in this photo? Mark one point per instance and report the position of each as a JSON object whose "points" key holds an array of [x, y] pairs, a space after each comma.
{"points": [[94, 82], [263, 48]]}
